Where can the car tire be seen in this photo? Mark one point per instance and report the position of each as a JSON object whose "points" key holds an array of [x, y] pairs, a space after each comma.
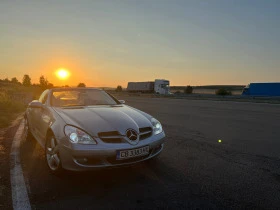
{"points": [[52, 156]]}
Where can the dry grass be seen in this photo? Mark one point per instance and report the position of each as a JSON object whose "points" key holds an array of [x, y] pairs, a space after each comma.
{"points": [[9, 109], [10, 105]]}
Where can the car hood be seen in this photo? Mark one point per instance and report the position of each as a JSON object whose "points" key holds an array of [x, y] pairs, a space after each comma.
{"points": [[97, 119]]}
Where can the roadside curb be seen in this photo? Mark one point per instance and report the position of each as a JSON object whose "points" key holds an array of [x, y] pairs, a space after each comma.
{"points": [[19, 191]]}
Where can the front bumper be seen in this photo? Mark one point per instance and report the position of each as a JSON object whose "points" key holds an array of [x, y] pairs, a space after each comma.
{"points": [[76, 157]]}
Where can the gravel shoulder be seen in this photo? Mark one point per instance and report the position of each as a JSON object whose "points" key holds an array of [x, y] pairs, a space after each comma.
{"points": [[6, 138]]}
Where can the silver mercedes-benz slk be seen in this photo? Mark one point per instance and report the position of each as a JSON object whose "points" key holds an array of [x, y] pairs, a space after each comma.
{"points": [[87, 128]]}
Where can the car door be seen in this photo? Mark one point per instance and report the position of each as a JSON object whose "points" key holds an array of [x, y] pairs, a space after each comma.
{"points": [[43, 118], [33, 116]]}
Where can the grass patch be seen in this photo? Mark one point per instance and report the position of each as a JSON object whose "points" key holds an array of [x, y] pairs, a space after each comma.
{"points": [[9, 109]]}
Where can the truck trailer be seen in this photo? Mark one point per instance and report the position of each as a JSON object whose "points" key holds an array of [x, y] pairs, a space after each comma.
{"points": [[159, 86], [262, 89]]}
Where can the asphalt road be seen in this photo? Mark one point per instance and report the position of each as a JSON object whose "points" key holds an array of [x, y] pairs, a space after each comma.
{"points": [[194, 171]]}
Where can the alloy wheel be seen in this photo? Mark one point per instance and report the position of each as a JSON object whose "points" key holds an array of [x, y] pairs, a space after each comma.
{"points": [[52, 155]]}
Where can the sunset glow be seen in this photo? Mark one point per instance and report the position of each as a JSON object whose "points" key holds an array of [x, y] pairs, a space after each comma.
{"points": [[217, 43], [62, 74]]}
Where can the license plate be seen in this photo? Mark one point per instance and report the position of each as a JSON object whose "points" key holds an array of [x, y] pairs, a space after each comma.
{"points": [[125, 154]]}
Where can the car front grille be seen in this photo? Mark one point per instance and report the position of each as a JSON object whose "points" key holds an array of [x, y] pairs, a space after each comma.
{"points": [[111, 137], [116, 137]]}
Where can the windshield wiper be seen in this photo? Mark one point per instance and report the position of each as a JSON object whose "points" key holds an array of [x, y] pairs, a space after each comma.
{"points": [[74, 105], [102, 104]]}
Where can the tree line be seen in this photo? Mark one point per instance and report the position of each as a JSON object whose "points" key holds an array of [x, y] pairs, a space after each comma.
{"points": [[26, 81], [43, 82]]}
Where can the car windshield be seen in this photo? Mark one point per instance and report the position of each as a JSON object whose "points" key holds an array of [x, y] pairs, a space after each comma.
{"points": [[81, 97]]}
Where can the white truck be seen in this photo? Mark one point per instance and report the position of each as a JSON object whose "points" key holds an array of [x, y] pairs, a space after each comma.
{"points": [[159, 86]]}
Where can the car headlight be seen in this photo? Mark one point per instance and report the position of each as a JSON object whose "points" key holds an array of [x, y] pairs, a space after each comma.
{"points": [[77, 136], [156, 126]]}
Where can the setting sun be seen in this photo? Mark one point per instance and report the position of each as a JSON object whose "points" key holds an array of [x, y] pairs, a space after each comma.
{"points": [[62, 74]]}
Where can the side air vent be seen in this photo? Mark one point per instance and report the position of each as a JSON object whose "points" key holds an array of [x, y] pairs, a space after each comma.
{"points": [[145, 132]]}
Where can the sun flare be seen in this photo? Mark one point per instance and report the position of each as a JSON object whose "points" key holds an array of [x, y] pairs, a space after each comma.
{"points": [[62, 74]]}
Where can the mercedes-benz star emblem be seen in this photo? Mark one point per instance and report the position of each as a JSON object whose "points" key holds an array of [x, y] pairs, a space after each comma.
{"points": [[131, 135]]}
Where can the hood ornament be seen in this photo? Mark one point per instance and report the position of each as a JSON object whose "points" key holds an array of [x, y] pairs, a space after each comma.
{"points": [[132, 136]]}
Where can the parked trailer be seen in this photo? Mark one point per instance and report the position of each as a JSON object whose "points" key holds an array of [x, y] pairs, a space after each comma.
{"points": [[159, 86], [262, 89], [144, 87]]}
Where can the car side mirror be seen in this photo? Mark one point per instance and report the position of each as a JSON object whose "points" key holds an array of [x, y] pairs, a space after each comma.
{"points": [[122, 101], [35, 104]]}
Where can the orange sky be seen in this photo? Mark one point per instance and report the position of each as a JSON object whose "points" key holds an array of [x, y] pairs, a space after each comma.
{"points": [[109, 43]]}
